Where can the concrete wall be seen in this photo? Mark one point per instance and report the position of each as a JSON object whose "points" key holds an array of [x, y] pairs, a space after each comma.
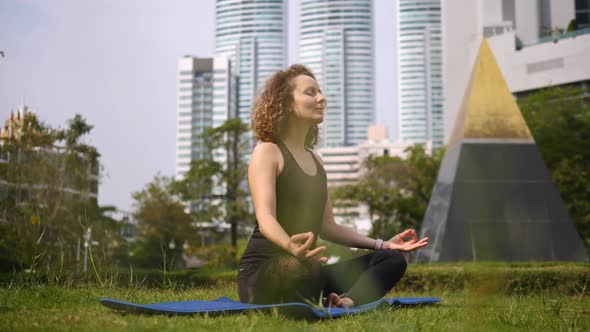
{"points": [[562, 12], [493, 12], [462, 23], [528, 20], [509, 11], [544, 64]]}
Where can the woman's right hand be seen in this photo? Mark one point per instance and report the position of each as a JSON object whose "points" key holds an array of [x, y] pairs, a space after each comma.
{"points": [[398, 242], [299, 245]]}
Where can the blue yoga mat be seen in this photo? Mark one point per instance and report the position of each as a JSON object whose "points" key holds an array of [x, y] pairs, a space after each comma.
{"points": [[224, 305]]}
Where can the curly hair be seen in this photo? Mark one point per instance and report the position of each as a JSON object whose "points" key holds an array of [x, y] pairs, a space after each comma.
{"points": [[273, 106]]}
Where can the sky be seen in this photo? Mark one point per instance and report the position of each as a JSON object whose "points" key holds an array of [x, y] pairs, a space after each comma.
{"points": [[114, 62]]}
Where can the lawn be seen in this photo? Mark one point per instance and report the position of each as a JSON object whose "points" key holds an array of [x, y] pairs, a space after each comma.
{"points": [[77, 308]]}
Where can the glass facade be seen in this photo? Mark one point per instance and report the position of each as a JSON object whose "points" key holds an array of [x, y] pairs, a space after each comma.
{"points": [[253, 35], [419, 64], [336, 43], [583, 13]]}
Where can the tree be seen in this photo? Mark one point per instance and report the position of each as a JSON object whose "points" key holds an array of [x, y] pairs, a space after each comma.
{"points": [[395, 190], [75, 166], [20, 229], [162, 224], [216, 185], [559, 119], [572, 26], [50, 179]]}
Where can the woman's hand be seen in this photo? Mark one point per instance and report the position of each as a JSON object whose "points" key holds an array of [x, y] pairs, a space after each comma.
{"points": [[398, 242], [299, 245]]}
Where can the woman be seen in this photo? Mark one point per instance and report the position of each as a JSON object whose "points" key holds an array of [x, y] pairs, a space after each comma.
{"points": [[288, 184]]}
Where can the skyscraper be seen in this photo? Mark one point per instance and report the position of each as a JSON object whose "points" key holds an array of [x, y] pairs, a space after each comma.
{"points": [[206, 99], [336, 43], [419, 65], [253, 35]]}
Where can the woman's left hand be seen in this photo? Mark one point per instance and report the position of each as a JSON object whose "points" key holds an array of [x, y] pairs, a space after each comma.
{"points": [[398, 243]]}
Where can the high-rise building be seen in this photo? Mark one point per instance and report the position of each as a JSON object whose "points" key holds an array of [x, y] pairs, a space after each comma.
{"points": [[253, 35], [336, 43], [419, 66], [206, 98]]}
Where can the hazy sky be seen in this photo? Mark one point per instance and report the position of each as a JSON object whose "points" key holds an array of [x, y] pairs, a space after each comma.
{"points": [[114, 62]]}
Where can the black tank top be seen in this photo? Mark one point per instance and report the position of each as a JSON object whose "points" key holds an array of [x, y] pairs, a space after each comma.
{"points": [[300, 203]]}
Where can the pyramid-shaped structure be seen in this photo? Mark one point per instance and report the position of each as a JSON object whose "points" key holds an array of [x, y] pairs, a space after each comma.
{"points": [[494, 198]]}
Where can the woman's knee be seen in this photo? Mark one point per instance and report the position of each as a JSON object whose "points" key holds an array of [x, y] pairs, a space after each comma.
{"points": [[396, 260]]}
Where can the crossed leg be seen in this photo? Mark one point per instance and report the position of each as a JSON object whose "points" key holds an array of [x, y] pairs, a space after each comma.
{"points": [[363, 279], [345, 284]]}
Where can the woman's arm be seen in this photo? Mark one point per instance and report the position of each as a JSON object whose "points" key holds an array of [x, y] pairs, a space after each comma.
{"points": [[339, 234], [262, 173], [333, 232], [342, 235], [345, 236]]}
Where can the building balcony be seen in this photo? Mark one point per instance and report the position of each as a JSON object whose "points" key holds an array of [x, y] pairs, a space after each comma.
{"points": [[554, 38]]}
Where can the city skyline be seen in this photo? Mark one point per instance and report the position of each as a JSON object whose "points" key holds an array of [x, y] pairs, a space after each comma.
{"points": [[116, 64]]}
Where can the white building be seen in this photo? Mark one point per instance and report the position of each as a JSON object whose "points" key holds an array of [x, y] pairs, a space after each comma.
{"points": [[419, 67], [344, 165], [336, 43], [206, 98], [253, 35], [530, 55]]}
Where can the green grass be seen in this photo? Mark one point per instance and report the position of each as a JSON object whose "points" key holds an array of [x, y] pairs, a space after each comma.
{"points": [[473, 309], [508, 278]]}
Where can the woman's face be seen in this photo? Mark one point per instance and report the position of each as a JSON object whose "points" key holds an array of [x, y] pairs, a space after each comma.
{"points": [[308, 101]]}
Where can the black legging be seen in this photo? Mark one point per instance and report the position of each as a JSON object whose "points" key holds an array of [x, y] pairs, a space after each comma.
{"points": [[363, 279], [366, 278]]}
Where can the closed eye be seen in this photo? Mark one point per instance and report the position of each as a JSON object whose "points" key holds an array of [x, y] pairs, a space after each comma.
{"points": [[312, 91]]}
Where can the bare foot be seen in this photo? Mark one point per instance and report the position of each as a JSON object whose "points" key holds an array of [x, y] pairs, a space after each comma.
{"points": [[336, 301]]}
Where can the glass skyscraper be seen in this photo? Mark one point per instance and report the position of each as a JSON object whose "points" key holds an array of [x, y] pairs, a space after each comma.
{"points": [[419, 65], [253, 35], [336, 43]]}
